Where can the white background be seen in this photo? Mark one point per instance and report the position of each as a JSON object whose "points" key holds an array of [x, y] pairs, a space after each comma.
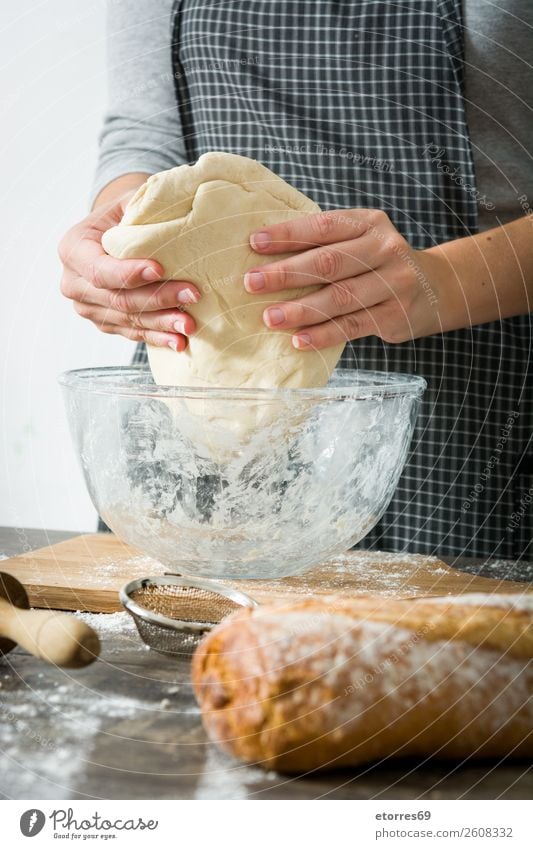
{"points": [[52, 96]]}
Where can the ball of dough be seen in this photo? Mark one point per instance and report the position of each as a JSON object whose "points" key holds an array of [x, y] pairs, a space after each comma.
{"points": [[196, 221]]}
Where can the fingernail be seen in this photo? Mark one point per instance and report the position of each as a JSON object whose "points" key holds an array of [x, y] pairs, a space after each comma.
{"points": [[187, 296], [254, 281], [303, 340], [260, 241], [274, 316], [173, 344], [150, 275], [179, 327]]}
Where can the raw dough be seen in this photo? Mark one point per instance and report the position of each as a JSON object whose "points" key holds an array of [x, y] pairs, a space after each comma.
{"points": [[196, 221]]}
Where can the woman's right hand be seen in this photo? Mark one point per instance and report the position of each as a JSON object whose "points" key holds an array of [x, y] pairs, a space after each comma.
{"points": [[125, 296]]}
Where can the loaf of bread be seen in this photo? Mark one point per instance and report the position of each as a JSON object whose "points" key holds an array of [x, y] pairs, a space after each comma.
{"points": [[313, 685]]}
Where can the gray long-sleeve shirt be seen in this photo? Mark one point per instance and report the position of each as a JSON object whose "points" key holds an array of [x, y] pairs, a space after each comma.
{"points": [[142, 130]]}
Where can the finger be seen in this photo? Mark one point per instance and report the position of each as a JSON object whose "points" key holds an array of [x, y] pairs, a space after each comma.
{"points": [[337, 299], [316, 267], [156, 296], [322, 228], [82, 291], [355, 325], [160, 340], [84, 253], [165, 321], [151, 337]]}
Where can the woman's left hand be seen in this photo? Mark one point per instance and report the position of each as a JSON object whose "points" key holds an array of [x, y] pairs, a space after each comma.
{"points": [[374, 284]]}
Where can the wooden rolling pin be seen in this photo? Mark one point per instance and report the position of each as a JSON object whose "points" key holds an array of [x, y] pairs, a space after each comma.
{"points": [[57, 638]]}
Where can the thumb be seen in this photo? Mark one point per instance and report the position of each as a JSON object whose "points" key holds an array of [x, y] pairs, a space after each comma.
{"points": [[108, 215], [124, 201]]}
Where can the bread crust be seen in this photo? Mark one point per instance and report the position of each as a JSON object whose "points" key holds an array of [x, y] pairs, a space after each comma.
{"points": [[317, 685]]}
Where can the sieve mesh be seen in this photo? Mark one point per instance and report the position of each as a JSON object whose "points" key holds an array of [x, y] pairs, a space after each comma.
{"points": [[166, 640], [173, 613], [188, 604]]}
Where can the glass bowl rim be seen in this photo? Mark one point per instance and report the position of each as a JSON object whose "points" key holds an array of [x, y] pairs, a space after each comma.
{"points": [[386, 383]]}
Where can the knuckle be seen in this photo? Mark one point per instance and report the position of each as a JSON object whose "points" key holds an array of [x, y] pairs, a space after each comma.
{"points": [[296, 312], [390, 327], [327, 263], [397, 273], [154, 338], [376, 217], [67, 242], [163, 298], [83, 310], [341, 296], [132, 333], [121, 301], [392, 335], [351, 325], [282, 232], [161, 323], [65, 286], [62, 248], [323, 223], [134, 320], [402, 283], [124, 276], [94, 274], [393, 245], [282, 276]]}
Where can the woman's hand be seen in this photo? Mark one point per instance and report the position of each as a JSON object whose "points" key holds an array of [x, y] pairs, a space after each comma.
{"points": [[125, 296], [376, 284]]}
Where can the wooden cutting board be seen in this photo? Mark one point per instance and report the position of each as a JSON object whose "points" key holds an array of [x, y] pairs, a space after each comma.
{"points": [[86, 573]]}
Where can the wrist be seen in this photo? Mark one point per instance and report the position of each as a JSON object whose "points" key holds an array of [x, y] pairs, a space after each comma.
{"points": [[442, 291]]}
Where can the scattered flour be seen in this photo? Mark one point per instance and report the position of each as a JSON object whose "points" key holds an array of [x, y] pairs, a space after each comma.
{"points": [[513, 570], [371, 572], [224, 778], [109, 624], [516, 602], [135, 566]]}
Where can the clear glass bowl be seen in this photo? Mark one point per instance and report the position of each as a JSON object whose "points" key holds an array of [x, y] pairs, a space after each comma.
{"points": [[235, 482]]}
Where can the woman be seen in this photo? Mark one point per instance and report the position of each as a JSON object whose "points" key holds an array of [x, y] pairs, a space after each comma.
{"points": [[361, 105]]}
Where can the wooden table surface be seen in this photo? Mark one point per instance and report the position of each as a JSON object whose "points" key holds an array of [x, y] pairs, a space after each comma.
{"points": [[128, 727]]}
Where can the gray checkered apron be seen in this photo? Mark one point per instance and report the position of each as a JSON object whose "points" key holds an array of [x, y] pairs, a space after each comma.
{"points": [[349, 100]]}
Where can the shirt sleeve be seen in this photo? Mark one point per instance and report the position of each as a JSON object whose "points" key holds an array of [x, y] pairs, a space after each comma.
{"points": [[141, 130]]}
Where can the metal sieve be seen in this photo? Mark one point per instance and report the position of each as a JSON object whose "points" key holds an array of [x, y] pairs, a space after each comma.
{"points": [[172, 613]]}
